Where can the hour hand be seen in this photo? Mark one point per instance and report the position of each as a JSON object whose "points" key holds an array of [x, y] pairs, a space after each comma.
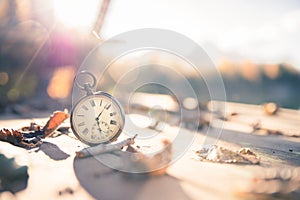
{"points": [[98, 124]]}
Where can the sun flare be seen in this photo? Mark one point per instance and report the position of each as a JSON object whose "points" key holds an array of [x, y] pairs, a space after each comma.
{"points": [[76, 13]]}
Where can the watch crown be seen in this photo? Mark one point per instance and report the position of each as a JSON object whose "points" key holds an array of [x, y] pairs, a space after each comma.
{"points": [[88, 88]]}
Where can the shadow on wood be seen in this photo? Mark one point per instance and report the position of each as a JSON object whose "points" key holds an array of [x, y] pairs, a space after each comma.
{"points": [[103, 182], [53, 151]]}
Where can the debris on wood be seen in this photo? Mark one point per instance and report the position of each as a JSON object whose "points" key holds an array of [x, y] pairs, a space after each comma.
{"points": [[264, 131], [246, 151], [153, 165], [270, 108], [190, 122], [136, 161], [63, 130], [32, 127], [104, 148], [258, 129], [30, 136], [233, 114], [157, 126], [249, 154], [131, 149], [218, 154], [67, 190], [256, 126]]}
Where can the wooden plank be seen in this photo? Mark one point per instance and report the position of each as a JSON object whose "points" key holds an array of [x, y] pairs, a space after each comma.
{"points": [[53, 169], [285, 121]]}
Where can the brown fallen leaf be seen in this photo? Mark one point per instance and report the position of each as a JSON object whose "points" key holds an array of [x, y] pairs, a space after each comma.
{"points": [[31, 136], [32, 127], [12, 136], [53, 123], [17, 138]]}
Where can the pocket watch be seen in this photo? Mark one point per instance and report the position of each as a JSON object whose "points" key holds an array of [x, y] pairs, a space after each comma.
{"points": [[97, 117]]}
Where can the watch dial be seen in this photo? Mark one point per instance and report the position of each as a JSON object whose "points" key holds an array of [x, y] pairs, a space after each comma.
{"points": [[97, 119]]}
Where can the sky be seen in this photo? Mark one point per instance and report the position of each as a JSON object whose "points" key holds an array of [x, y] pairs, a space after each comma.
{"points": [[264, 31]]}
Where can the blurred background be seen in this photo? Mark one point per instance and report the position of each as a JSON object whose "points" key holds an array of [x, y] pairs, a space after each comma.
{"points": [[254, 45]]}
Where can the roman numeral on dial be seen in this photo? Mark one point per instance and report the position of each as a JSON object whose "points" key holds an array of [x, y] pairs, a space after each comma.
{"points": [[84, 107], [92, 102], [113, 122], [107, 106], [81, 124], [85, 131], [112, 114]]}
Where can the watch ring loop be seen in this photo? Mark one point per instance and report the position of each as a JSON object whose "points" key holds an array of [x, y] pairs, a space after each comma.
{"points": [[87, 73]]}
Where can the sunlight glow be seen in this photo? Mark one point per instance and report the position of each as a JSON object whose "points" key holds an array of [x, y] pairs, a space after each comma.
{"points": [[76, 13], [60, 85]]}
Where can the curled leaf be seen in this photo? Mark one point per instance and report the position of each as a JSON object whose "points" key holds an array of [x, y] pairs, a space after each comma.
{"points": [[53, 123], [30, 136], [12, 136], [17, 138]]}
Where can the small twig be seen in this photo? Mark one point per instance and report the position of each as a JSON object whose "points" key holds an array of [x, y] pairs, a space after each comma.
{"points": [[104, 148]]}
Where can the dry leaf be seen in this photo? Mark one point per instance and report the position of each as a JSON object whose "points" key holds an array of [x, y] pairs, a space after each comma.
{"points": [[17, 138], [222, 155], [11, 135], [30, 136], [55, 120], [33, 127], [156, 164]]}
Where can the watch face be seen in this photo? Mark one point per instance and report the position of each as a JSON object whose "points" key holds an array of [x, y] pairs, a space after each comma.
{"points": [[97, 118]]}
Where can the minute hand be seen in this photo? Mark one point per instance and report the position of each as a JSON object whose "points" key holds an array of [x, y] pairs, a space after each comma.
{"points": [[97, 118]]}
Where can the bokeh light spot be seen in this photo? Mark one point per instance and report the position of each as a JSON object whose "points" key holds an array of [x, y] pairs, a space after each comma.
{"points": [[190, 103], [13, 94], [3, 78], [60, 85]]}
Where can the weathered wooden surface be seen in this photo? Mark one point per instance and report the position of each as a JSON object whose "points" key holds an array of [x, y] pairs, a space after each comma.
{"points": [[55, 173]]}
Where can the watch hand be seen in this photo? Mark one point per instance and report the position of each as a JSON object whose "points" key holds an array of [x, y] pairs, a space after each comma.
{"points": [[98, 124], [97, 118]]}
